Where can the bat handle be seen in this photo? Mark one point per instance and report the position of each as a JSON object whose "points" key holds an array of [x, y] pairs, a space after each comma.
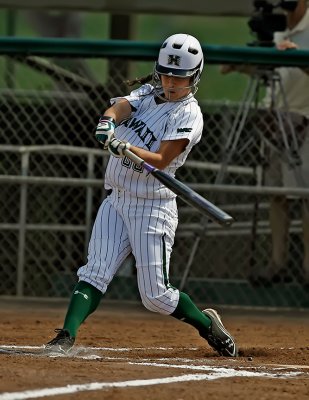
{"points": [[138, 161], [133, 157]]}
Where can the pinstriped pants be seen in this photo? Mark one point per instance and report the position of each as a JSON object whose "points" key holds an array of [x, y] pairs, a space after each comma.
{"points": [[145, 227]]}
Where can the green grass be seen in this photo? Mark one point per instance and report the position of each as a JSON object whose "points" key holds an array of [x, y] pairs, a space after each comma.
{"points": [[153, 28]]}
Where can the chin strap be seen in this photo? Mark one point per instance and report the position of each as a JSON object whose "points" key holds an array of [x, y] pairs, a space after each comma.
{"points": [[160, 95]]}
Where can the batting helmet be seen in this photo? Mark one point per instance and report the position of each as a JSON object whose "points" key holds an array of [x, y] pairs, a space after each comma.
{"points": [[180, 55]]}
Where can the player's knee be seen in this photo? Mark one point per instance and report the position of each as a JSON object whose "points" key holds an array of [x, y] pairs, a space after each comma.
{"points": [[157, 304], [149, 305]]}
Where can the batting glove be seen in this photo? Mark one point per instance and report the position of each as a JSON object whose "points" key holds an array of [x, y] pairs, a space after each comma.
{"points": [[117, 147], [105, 130]]}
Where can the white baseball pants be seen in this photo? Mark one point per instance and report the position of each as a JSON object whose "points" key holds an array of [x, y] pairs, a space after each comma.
{"points": [[145, 227]]}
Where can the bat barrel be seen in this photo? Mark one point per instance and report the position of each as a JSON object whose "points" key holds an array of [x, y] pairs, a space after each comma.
{"points": [[207, 208], [184, 192]]}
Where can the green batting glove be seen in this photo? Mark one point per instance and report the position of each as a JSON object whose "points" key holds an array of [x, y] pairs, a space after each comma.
{"points": [[105, 130], [117, 148]]}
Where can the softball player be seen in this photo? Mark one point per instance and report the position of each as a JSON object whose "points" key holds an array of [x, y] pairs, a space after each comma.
{"points": [[160, 123]]}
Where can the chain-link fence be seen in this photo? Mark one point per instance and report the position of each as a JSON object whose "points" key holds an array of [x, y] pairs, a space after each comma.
{"points": [[52, 172]]}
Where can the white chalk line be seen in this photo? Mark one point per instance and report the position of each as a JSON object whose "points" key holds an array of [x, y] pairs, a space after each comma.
{"points": [[69, 389], [218, 373], [77, 352], [220, 370], [284, 366], [116, 349], [213, 373]]}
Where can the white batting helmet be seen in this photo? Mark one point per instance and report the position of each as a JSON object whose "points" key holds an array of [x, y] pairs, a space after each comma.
{"points": [[180, 55]]}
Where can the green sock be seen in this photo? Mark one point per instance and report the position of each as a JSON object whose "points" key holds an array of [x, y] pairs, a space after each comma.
{"points": [[187, 311], [85, 299]]}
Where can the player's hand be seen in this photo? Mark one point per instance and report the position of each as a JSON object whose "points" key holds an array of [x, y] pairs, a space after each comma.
{"points": [[286, 45], [105, 130], [117, 147]]}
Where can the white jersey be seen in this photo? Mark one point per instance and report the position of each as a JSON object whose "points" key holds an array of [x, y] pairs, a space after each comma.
{"points": [[150, 124]]}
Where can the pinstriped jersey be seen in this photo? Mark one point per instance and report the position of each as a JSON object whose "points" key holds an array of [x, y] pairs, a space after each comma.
{"points": [[150, 124]]}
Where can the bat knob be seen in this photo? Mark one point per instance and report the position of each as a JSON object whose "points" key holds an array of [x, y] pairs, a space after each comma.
{"points": [[228, 221]]}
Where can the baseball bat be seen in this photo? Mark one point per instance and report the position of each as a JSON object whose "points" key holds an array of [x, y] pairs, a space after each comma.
{"points": [[184, 192]]}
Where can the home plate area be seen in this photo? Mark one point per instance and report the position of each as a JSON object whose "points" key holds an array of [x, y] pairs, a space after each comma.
{"points": [[178, 369], [143, 356]]}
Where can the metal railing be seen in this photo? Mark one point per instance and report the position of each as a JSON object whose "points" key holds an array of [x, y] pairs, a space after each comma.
{"points": [[24, 180], [52, 176]]}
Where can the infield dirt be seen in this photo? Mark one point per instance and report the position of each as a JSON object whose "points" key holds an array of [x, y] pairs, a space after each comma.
{"points": [[123, 343]]}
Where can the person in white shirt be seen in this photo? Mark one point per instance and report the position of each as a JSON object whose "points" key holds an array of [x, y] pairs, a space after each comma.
{"points": [[294, 107], [295, 83]]}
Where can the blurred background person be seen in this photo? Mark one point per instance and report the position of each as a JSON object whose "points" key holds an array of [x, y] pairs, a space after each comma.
{"points": [[277, 172]]}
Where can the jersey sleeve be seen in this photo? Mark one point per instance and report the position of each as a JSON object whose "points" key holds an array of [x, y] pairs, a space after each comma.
{"points": [[186, 123], [135, 97]]}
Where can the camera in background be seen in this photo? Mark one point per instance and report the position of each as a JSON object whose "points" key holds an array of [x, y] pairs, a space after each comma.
{"points": [[264, 21]]}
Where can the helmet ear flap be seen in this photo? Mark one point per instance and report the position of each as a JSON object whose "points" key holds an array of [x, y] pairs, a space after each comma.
{"points": [[195, 78]]}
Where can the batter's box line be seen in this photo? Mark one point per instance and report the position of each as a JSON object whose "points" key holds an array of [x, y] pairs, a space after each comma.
{"points": [[18, 350], [80, 352], [116, 349], [284, 366], [222, 370], [70, 389], [83, 353]]}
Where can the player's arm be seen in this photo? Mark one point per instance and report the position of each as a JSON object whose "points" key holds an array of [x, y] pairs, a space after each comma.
{"points": [[168, 150], [119, 111]]}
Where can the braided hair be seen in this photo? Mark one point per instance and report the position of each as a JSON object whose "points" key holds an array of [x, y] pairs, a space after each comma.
{"points": [[141, 80]]}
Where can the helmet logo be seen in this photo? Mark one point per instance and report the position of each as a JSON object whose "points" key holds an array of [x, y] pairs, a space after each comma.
{"points": [[175, 60]]}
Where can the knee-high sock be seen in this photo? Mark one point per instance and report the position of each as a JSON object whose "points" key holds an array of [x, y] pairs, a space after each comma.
{"points": [[187, 311], [85, 299]]}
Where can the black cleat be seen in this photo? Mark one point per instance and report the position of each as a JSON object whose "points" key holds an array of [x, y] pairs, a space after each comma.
{"points": [[62, 343], [218, 337]]}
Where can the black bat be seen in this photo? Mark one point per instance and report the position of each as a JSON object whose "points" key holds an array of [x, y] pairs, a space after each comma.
{"points": [[184, 192]]}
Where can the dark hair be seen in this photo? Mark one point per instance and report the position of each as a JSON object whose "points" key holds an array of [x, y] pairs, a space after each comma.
{"points": [[142, 80]]}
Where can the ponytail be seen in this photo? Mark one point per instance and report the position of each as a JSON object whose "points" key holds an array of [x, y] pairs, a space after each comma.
{"points": [[142, 80]]}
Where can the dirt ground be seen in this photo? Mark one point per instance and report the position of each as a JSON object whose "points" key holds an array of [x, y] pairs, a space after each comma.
{"points": [[126, 352]]}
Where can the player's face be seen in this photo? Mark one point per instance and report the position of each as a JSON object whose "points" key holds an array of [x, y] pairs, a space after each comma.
{"points": [[175, 88]]}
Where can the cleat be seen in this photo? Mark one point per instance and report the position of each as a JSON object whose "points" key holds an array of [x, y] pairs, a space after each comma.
{"points": [[62, 343], [218, 337]]}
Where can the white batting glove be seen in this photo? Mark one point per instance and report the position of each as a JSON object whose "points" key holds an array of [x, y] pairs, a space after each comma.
{"points": [[117, 147], [105, 130]]}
